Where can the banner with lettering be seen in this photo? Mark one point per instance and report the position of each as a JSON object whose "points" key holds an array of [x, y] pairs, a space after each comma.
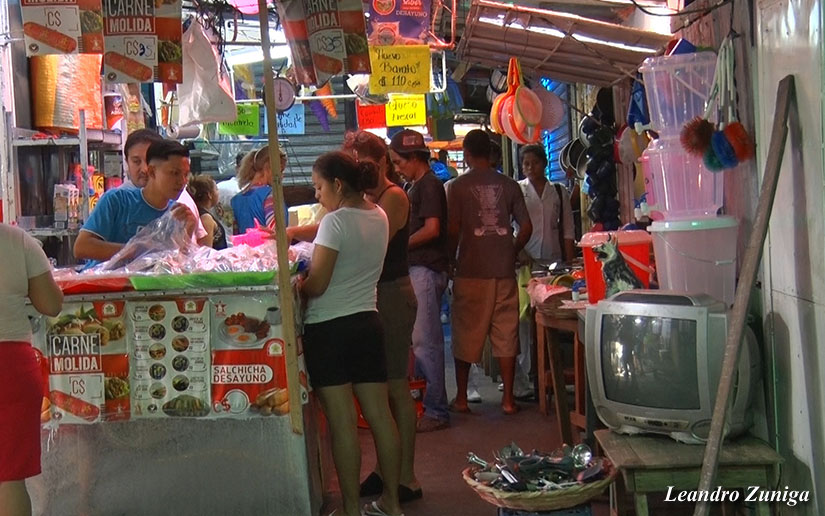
{"points": [[400, 69], [86, 347], [337, 37], [142, 41], [399, 22], [62, 26], [406, 110], [248, 122]]}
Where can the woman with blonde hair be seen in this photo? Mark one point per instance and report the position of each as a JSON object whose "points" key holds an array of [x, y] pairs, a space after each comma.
{"points": [[254, 204]]}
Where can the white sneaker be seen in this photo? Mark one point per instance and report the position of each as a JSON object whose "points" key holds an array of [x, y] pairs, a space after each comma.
{"points": [[473, 396]]}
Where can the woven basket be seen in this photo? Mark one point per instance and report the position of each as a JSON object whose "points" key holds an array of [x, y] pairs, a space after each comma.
{"points": [[552, 306], [540, 500]]}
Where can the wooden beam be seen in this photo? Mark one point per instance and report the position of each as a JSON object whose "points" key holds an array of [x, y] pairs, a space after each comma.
{"points": [[785, 101], [287, 302], [560, 76]]}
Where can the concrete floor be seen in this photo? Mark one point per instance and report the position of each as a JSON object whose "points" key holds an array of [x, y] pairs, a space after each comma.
{"points": [[441, 456]]}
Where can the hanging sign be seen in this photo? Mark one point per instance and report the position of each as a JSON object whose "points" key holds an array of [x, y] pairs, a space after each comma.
{"points": [[399, 22], [62, 26], [400, 69], [248, 122], [337, 36], [293, 120], [142, 41], [406, 110], [371, 116]]}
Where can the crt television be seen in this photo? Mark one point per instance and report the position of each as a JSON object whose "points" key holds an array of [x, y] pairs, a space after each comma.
{"points": [[654, 359]]}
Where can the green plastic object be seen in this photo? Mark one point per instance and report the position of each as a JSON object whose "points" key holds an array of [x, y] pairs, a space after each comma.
{"points": [[202, 280]]}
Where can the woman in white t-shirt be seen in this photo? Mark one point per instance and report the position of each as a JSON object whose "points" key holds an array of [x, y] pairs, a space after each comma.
{"points": [[26, 273], [343, 337]]}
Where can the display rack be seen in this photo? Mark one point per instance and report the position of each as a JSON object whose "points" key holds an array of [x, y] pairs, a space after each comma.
{"points": [[86, 141]]}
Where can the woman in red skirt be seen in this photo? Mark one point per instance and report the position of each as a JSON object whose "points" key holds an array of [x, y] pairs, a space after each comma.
{"points": [[26, 273]]}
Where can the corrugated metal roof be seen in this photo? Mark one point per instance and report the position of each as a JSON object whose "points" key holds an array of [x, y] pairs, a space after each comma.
{"points": [[562, 46]]}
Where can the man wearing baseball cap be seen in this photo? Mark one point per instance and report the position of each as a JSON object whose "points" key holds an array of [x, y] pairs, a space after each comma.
{"points": [[428, 269]]}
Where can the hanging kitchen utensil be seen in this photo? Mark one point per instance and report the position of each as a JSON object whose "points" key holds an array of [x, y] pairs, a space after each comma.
{"points": [[496, 112], [552, 108], [521, 112]]}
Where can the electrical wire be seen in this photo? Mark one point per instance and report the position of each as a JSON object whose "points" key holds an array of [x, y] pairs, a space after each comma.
{"points": [[705, 11]]}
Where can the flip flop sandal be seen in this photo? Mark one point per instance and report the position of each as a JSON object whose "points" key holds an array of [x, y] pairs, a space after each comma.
{"points": [[405, 494], [373, 485], [461, 410], [373, 509]]}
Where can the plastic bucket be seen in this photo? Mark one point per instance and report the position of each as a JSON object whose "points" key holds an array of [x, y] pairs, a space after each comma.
{"points": [[635, 248], [677, 89], [697, 256], [678, 184]]}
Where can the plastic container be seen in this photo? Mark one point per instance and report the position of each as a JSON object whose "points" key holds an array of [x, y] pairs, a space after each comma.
{"points": [[678, 184], [677, 89], [697, 256], [635, 248]]}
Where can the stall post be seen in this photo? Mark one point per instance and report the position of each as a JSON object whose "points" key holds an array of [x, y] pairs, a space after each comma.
{"points": [[284, 284]]}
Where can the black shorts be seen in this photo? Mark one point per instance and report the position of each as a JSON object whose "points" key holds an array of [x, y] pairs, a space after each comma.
{"points": [[344, 350]]}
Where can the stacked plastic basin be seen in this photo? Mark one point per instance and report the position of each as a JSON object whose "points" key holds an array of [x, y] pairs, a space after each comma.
{"points": [[695, 249]]}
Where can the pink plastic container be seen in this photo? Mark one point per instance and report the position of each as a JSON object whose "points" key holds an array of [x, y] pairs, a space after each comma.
{"points": [[677, 89], [697, 256], [253, 238], [678, 184]]}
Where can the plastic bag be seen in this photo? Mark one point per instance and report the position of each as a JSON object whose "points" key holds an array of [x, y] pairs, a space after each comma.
{"points": [[206, 93], [157, 239]]}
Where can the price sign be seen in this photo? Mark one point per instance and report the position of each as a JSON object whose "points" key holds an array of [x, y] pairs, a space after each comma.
{"points": [[292, 121], [406, 110], [400, 69], [248, 122], [371, 116]]}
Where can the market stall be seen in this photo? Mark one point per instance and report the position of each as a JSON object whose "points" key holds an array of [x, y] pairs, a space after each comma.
{"points": [[173, 402]]}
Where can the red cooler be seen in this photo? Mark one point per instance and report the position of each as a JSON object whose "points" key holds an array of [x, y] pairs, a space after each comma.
{"points": [[635, 248]]}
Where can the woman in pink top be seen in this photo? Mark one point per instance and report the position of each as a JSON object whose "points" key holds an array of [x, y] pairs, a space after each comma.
{"points": [[26, 274]]}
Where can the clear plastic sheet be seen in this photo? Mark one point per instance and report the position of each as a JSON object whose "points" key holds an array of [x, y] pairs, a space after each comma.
{"points": [[164, 247]]}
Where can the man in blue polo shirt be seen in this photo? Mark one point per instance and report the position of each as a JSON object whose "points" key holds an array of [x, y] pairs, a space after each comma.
{"points": [[122, 212]]}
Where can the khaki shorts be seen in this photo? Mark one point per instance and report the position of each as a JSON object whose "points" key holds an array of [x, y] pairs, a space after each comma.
{"points": [[396, 309], [482, 308]]}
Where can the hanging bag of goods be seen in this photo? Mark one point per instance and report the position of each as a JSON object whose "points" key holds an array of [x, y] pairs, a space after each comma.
{"points": [[337, 37]]}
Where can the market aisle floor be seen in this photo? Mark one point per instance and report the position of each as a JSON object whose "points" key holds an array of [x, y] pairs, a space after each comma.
{"points": [[442, 455]]}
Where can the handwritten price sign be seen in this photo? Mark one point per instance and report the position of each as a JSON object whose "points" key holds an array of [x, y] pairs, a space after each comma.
{"points": [[400, 69], [248, 122], [406, 110]]}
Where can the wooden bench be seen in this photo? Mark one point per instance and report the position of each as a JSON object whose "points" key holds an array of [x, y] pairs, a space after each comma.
{"points": [[653, 464]]}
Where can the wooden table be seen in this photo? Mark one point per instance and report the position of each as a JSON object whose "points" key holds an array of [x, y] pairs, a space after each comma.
{"points": [[547, 347], [651, 464]]}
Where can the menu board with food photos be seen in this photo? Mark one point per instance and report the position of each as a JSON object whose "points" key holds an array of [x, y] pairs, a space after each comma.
{"points": [[170, 358], [85, 348], [248, 360], [142, 41], [62, 26]]}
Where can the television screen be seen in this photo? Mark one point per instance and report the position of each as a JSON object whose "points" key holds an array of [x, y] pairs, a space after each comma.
{"points": [[650, 361]]}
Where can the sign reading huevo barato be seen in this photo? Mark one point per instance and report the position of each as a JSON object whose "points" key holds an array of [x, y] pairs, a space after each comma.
{"points": [[400, 69]]}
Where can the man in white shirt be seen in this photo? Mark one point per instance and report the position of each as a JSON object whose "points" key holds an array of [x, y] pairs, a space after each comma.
{"points": [[137, 177]]}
